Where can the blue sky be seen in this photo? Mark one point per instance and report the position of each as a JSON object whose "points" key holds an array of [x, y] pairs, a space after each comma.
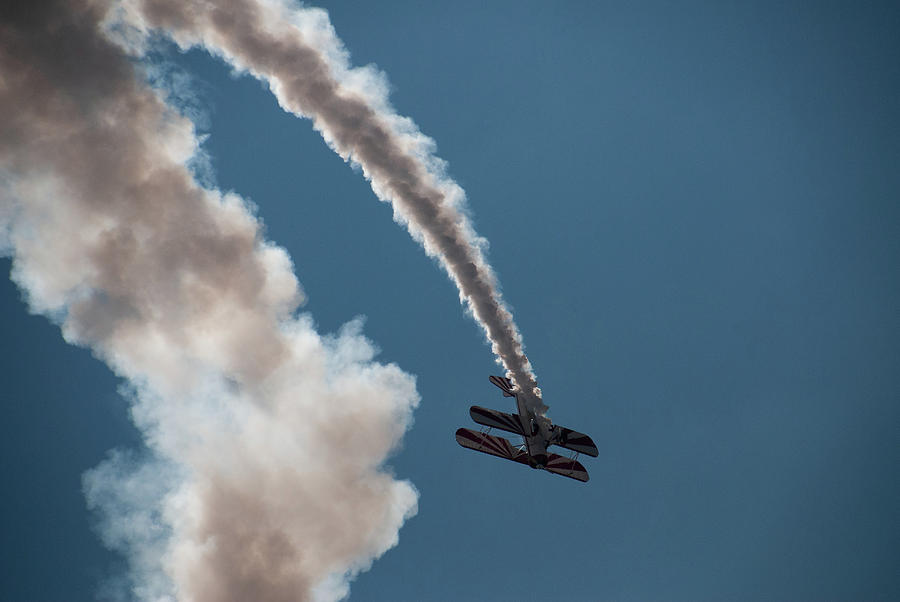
{"points": [[693, 213]]}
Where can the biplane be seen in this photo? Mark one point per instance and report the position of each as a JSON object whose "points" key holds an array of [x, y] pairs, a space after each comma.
{"points": [[536, 430]]}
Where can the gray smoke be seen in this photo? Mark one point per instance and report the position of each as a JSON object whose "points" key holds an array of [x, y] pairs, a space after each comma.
{"points": [[264, 475], [296, 51]]}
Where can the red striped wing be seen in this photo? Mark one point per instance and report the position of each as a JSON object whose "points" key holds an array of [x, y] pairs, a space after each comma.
{"points": [[567, 468], [489, 444]]}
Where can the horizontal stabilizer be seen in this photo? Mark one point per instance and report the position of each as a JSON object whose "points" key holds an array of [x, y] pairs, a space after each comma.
{"points": [[498, 420], [489, 444], [505, 384], [575, 441]]}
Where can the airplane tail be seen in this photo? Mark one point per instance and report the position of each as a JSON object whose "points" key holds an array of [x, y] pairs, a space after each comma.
{"points": [[505, 384]]}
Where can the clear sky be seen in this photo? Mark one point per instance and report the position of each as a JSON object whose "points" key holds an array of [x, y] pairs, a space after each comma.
{"points": [[693, 211]]}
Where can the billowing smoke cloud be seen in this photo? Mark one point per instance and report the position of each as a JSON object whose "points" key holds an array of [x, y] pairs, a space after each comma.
{"points": [[264, 478], [298, 54]]}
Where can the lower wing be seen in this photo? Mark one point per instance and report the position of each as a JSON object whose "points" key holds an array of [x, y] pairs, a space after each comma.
{"points": [[489, 444], [502, 448]]}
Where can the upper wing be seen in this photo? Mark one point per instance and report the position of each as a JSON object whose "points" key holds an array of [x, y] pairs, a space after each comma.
{"points": [[575, 441], [495, 419], [505, 384], [567, 468], [489, 444]]}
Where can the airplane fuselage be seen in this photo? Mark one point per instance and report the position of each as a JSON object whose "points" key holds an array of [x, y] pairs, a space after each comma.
{"points": [[538, 432]]}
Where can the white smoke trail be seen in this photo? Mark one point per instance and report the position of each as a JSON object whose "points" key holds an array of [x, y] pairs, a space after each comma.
{"points": [[266, 441], [296, 51]]}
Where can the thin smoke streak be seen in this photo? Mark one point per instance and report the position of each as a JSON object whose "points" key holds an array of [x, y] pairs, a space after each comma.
{"points": [[297, 52]]}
